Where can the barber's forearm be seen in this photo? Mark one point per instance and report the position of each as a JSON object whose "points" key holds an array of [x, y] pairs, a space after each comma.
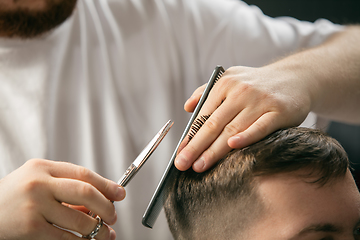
{"points": [[331, 74], [250, 103]]}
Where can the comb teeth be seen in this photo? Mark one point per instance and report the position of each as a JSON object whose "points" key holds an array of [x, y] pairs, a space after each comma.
{"points": [[199, 122], [221, 72], [195, 127]]}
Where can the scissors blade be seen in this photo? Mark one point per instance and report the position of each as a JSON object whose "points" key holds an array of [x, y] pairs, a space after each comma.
{"points": [[145, 154]]}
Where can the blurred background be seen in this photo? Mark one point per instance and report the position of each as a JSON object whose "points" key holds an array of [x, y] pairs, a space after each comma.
{"points": [[337, 11]]}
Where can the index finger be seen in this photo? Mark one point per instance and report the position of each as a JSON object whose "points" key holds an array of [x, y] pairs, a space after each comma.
{"points": [[108, 188], [191, 103], [184, 161], [206, 132]]}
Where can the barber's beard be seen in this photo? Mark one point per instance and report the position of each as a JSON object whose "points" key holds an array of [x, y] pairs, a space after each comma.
{"points": [[27, 23]]}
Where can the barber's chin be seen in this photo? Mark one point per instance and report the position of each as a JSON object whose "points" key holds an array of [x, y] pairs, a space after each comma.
{"points": [[28, 23]]}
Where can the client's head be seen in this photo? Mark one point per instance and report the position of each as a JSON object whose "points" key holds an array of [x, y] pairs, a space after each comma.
{"points": [[294, 184]]}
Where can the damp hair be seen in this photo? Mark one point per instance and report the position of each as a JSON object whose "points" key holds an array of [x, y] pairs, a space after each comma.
{"points": [[212, 204]]}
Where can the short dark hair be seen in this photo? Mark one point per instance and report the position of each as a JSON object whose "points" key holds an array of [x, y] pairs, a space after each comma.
{"points": [[198, 205]]}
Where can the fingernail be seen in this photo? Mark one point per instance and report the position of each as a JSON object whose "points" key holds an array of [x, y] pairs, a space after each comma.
{"points": [[199, 164], [181, 162], [114, 219], [112, 234], [189, 100], [234, 142], [120, 193]]}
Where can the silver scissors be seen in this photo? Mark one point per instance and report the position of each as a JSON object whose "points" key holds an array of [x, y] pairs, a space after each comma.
{"points": [[144, 155], [133, 169]]}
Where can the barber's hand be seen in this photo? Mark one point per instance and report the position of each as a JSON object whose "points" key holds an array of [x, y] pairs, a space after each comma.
{"points": [[246, 104], [42, 193]]}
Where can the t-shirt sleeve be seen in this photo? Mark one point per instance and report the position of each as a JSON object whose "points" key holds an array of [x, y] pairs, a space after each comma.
{"points": [[230, 32]]}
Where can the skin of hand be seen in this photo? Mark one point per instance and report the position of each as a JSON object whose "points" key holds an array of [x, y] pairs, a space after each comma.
{"points": [[42, 193], [243, 101], [247, 104]]}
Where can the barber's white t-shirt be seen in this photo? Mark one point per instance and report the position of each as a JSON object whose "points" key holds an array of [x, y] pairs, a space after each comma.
{"points": [[95, 90]]}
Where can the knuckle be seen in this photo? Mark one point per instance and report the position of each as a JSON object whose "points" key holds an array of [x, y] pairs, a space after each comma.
{"points": [[190, 150], [225, 81], [108, 186], [84, 173], [235, 70], [232, 129], [212, 125], [35, 163], [34, 186], [210, 156], [246, 87], [231, 69], [232, 84], [262, 128], [190, 153], [87, 190]]}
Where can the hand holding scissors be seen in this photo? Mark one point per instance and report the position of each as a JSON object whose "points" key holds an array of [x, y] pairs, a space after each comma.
{"points": [[133, 169]]}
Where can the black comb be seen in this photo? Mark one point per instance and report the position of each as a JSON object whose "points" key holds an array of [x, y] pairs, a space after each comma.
{"points": [[157, 201], [198, 123]]}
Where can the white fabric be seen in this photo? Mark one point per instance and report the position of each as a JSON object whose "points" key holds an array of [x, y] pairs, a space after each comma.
{"points": [[96, 90]]}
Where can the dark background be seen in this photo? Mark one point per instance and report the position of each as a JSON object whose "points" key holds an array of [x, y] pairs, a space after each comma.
{"points": [[337, 11]]}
